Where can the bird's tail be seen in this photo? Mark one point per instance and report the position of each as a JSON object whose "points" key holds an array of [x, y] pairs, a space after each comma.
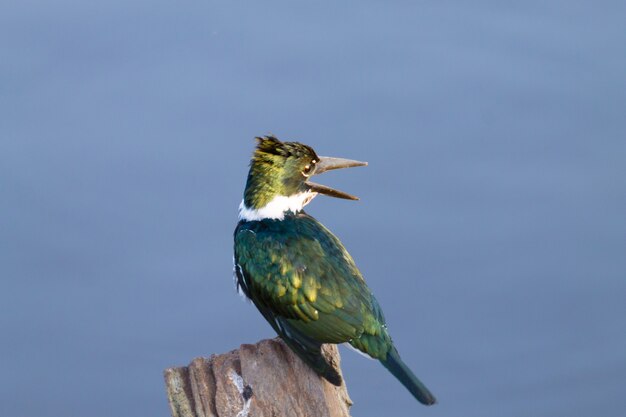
{"points": [[402, 372]]}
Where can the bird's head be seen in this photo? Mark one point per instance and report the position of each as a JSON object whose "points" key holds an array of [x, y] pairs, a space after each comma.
{"points": [[278, 180]]}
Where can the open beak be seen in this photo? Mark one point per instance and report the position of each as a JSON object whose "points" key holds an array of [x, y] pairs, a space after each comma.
{"points": [[328, 163]]}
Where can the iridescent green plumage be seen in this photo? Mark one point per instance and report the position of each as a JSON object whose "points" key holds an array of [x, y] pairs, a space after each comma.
{"points": [[300, 276]]}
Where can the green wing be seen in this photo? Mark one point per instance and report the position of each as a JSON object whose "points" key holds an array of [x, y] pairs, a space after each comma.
{"points": [[307, 286]]}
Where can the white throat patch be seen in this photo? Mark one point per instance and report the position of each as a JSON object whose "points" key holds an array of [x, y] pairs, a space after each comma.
{"points": [[276, 208]]}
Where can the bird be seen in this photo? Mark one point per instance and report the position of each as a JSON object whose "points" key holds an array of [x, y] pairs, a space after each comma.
{"points": [[298, 273]]}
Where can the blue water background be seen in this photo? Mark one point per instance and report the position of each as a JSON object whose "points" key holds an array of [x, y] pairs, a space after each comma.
{"points": [[492, 220]]}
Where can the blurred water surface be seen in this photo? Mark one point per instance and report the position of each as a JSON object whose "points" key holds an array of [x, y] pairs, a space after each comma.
{"points": [[491, 223]]}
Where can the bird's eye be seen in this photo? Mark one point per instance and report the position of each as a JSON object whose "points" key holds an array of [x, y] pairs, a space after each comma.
{"points": [[308, 168]]}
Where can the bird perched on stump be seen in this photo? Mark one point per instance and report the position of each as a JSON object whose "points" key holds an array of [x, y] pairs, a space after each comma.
{"points": [[298, 274]]}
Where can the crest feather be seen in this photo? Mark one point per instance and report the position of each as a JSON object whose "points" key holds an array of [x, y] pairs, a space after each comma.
{"points": [[270, 144]]}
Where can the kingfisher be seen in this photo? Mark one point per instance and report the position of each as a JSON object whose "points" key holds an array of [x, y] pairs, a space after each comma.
{"points": [[297, 272]]}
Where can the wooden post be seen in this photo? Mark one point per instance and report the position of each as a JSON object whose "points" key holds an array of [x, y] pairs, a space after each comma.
{"points": [[262, 380]]}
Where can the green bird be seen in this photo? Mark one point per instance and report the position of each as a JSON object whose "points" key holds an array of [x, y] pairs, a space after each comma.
{"points": [[298, 274]]}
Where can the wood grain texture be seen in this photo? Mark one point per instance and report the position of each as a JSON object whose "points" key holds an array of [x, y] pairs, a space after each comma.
{"points": [[262, 380]]}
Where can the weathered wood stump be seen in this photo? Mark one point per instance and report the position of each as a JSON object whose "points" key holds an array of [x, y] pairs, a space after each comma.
{"points": [[262, 380]]}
